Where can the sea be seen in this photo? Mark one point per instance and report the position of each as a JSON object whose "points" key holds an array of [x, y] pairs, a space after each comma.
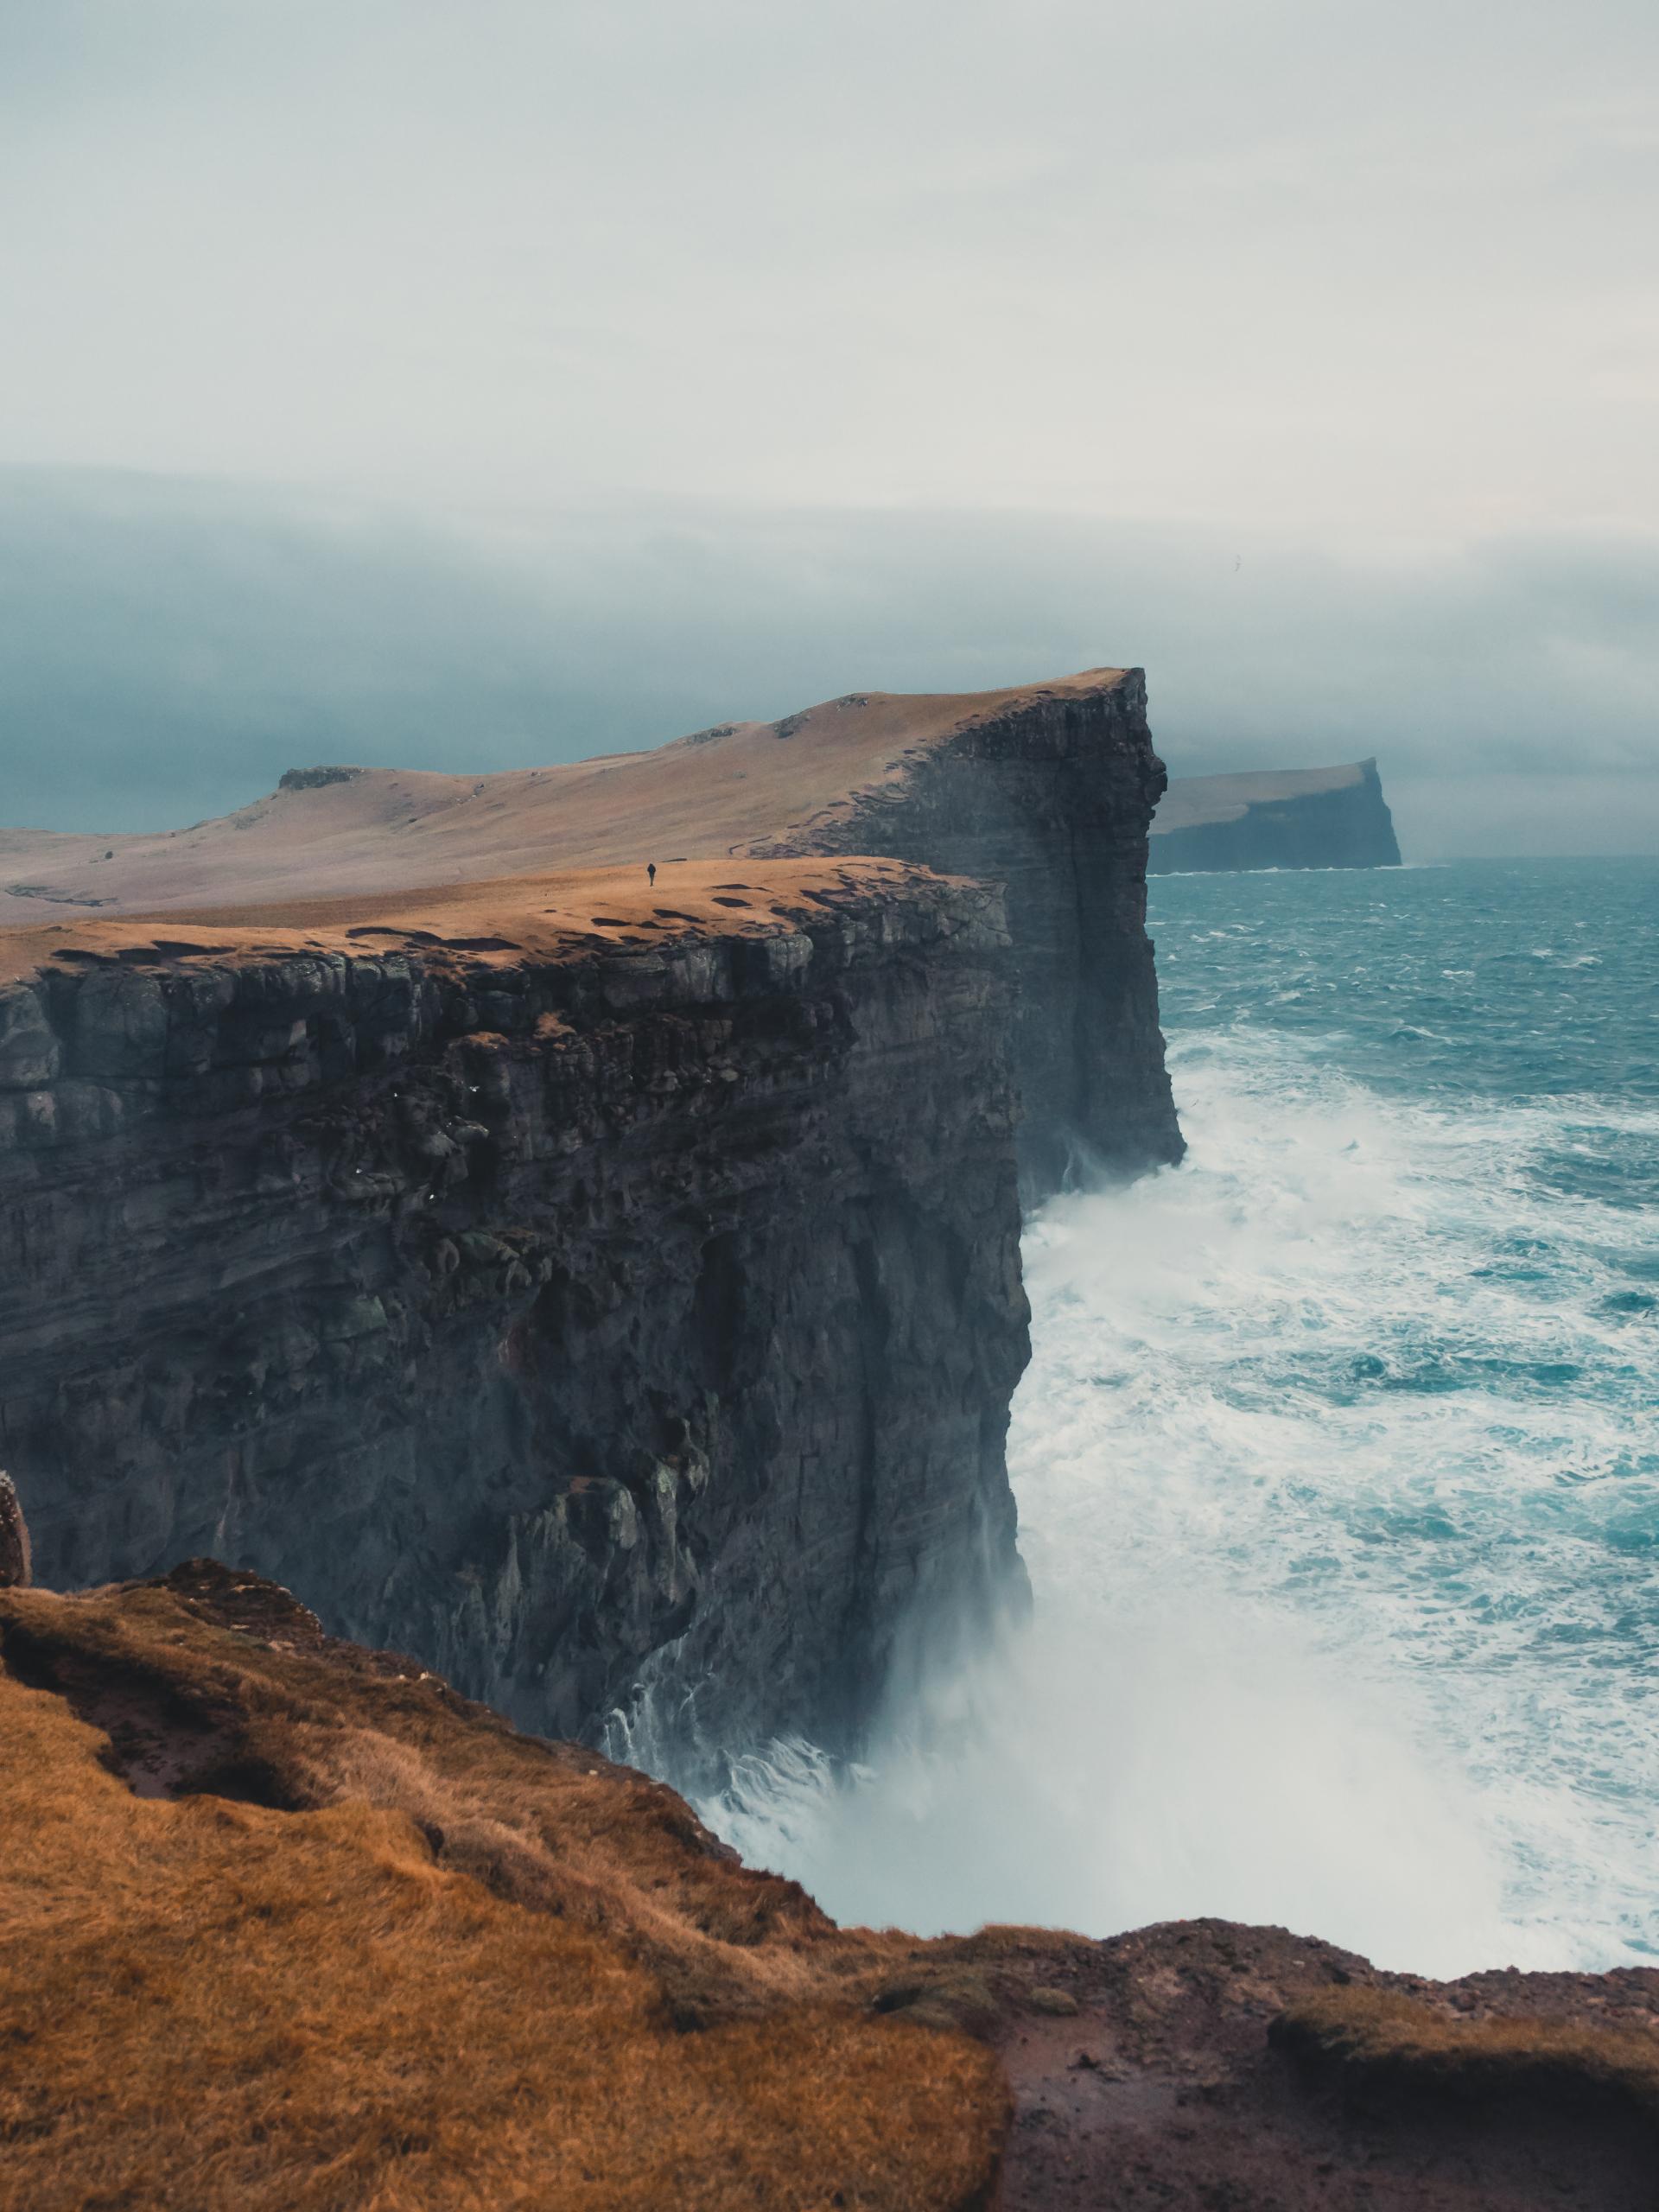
{"points": [[1336, 1464]]}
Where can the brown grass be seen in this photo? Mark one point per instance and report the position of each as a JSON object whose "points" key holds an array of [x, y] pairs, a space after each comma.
{"points": [[1381, 2040], [745, 784], [492, 923], [438, 1965]]}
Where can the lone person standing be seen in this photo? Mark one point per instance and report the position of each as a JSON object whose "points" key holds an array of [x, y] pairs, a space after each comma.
{"points": [[651, 873]]}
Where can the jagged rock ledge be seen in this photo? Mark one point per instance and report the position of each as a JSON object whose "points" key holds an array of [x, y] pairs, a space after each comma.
{"points": [[531, 1275]]}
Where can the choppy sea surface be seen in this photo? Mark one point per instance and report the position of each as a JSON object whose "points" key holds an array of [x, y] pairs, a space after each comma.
{"points": [[1338, 1463]]}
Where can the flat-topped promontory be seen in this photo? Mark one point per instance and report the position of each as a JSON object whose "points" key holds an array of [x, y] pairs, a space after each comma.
{"points": [[1279, 818], [737, 788], [1045, 789], [535, 1274]]}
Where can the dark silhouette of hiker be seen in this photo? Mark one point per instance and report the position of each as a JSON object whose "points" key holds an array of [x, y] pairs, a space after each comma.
{"points": [[651, 873]]}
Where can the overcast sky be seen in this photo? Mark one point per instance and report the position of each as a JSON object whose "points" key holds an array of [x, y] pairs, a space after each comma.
{"points": [[566, 371]]}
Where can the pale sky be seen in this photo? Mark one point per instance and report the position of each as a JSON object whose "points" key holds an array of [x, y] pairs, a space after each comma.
{"points": [[1364, 295]]}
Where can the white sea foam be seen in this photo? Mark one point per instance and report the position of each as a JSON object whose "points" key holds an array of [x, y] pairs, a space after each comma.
{"points": [[1336, 1499]]}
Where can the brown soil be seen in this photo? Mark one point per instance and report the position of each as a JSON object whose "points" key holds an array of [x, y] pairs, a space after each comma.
{"points": [[1182, 2082]]}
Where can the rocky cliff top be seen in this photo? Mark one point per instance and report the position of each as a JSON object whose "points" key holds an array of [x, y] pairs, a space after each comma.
{"points": [[708, 796], [548, 919]]}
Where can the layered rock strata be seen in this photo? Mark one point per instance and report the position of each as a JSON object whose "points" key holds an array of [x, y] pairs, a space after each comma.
{"points": [[532, 1302], [542, 1286], [1050, 795]]}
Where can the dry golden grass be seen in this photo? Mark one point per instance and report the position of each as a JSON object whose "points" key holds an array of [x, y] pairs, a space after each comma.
{"points": [[494, 922], [1382, 2039], [457, 1968], [710, 798]]}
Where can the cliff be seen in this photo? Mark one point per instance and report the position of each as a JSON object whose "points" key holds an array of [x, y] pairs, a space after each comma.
{"points": [[1047, 789], [1048, 793], [534, 1275], [1302, 817], [292, 1928], [542, 1271]]}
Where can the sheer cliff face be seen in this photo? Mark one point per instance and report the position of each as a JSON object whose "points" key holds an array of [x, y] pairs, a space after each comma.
{"points": [[541, 1294], [1050, 795], [1310, 817], [532, 1314]]}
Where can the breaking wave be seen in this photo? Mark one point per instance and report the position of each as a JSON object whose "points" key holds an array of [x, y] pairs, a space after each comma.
{"points": [[1337, 1467]]}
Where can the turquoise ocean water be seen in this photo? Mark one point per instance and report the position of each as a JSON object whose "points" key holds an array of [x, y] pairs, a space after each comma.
{"points": [[1337, 1462]]}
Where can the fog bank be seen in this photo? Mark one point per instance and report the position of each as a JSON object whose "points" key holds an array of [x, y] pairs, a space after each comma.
{"points": [[168, 648]]}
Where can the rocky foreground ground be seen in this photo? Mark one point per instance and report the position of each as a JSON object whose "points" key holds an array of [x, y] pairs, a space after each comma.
{"points": [[288, 1923]]}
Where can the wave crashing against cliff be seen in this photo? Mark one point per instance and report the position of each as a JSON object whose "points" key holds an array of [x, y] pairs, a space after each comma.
{"points": [[1336, 1461]]}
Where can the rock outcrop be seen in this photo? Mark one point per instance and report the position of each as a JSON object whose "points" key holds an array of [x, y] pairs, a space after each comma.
{"points": [[539, 1294], [1048, 794], [1299, 817], [16, 1564]]}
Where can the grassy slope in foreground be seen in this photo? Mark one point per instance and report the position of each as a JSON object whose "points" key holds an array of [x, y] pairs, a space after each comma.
{"points": [[328, 1937], [291, 1928]]}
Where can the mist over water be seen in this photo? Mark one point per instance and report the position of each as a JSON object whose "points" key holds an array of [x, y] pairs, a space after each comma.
{"points": [[1338, 1464]]}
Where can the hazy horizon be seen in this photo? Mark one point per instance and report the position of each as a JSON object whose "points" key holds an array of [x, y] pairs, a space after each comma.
{"points": [[469, 391]]}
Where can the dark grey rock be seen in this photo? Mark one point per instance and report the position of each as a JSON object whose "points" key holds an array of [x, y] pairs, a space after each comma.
{"points": [[1052, 798], [1274, 821], [15, 1563], [689, 1318]]}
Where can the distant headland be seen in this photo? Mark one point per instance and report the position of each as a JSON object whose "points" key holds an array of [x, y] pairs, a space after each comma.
{"points": [[1294, 817]]}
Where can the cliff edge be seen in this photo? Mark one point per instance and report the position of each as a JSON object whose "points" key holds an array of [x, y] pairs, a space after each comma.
{"points": [[291, 1925], [1297, 818], [1045, 789]]}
